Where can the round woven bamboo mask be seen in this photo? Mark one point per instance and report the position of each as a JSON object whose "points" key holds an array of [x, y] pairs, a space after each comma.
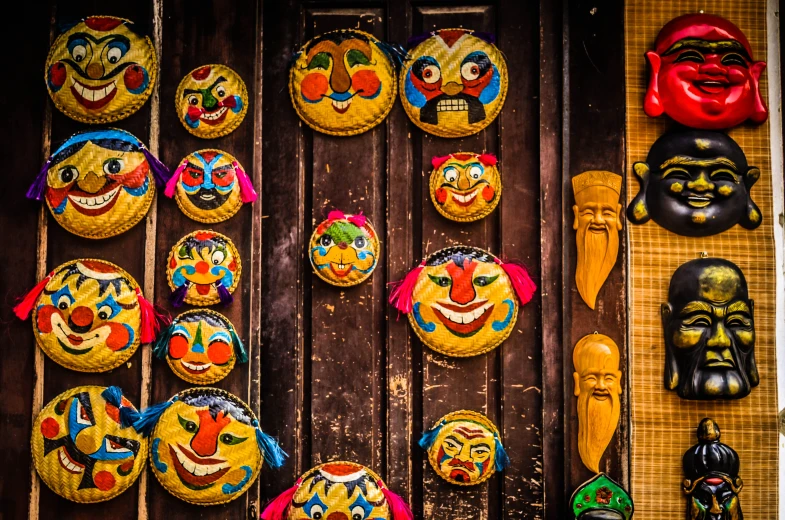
{"points": [[211, 101], [99, 183], [204, 449], [454, 83], [343, 83], [339, 490], [463, 302], [88, 317], [80, 449], [464, 449], [465, 186], [200, 346], [100, 70], [204, 264], [344, 249], [208, 189]]}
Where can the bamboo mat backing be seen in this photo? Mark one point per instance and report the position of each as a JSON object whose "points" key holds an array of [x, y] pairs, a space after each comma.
{"points": [[663, 426]]}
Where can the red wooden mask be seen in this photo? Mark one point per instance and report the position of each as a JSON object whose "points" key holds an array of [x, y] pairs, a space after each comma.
{"points": [[703, 74]]}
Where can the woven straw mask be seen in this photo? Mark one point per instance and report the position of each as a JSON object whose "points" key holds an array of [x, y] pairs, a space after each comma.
{"points": [[211, 101], [344, 249], [465, 186]]}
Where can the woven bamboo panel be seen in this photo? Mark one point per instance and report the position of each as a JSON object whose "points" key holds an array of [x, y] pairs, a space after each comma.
{"points": [[663, 425]]}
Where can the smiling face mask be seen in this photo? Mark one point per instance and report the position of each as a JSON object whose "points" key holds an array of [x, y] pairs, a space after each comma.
{"points": [[82, 446], [454, 83], [100, 70], [465, 186], [203, 269], [344, 249], [211, 101]]}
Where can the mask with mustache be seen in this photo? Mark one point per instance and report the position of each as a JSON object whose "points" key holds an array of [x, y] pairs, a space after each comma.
{"points": [[597, 224]]}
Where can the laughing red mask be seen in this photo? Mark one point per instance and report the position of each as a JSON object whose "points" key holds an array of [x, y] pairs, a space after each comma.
{"points": [[703, 74]]}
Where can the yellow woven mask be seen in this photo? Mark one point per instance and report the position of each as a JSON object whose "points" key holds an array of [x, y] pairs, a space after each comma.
{"points": [[100, 70], [454, 83], [465, 186], [211, 101], [344, 249], [203, 269], [201, 346], [463, 301], [83, 447], [210, 186], [343, 83], [464, 448]]}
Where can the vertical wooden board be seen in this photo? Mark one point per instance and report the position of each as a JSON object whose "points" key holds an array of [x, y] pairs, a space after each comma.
{"points": [[196, 34], [474, 379], [521, 355], [347, 323]]}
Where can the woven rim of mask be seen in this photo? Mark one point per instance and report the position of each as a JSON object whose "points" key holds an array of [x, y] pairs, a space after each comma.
{"points": [[38, 458], [469, 415], [237, 121], [382, 116], [464, 352], [365, 277], [130, 350], [437, 130], [197, 218], [130, 109], [204, 381], [481, 215], [204, 302], [376, 478], [256, 470]]}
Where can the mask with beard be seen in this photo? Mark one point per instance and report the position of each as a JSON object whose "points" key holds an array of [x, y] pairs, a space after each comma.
{"points": [[597, 224], [598, 387], [709, 332]]}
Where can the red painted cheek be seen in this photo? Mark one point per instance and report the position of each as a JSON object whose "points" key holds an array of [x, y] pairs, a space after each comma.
{"points": [[45, 318], [133, 77], [55, 196], [219, 352], [476, 86], [113, 412], [441, 195], [314, 86], [178, 347], [226, 180], [57, 73], [119, 337], [104, 480], [50, 428], [366, 83], [488, 193], [232, 265], [127, 467], [172, 262], [191, 177]]}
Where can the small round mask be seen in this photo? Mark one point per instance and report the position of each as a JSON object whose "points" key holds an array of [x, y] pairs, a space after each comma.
{"points": [[463, 301], [343, 83], [83, 446], [344, 249], [210, 186], [211, 101], [203, 269], [100, 183], [465, 186], [207, 447], [100, 70], [454, 83], [201, 346], [464, 448]]}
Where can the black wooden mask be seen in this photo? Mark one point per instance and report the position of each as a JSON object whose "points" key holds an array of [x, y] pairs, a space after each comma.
{"points": [[695, 183]]}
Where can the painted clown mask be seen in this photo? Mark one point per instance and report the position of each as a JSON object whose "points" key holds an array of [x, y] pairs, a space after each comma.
{"points": [[601, 498], [83, 446], [207, 447], [211, 101], [464, 448], [99, 184], [89, 315], [343, 82], [203, 269], [100, 70], [455, 83], [463, 301], [338, 491], [465, 186], [201, 346], [210, 186], [695, 183], [344, 249], [703, 75]]}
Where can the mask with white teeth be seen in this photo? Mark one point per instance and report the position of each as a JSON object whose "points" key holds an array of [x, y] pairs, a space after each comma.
{"points": [[465, 186], [344, 249], [211, 101]]}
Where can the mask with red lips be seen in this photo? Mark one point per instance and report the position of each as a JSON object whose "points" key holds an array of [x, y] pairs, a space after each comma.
{"points": [[465, 186]]}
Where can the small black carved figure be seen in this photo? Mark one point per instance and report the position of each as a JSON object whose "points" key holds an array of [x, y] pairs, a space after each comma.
{"points": [[709, 332], [695, 183], [712, 481]]}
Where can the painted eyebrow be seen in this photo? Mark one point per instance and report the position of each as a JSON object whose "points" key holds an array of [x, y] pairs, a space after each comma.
{"points": [[738, 306], [90, 37], [708, 47], [683, 160], [187, 91], [220, 335], [180, 328], [453, 438], [695, 307]]}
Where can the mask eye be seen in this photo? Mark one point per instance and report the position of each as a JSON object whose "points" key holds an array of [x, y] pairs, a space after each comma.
{"points": [[734, 59], [358, 513], [113, 447], [220, 91], [482, 281], [316, 512], [450, 174], [78, 52], [476, 171], [229, 439], [676, 173], [64, 302], [326, 241], [690, 55], [82, 416], [193, 100], [218, 257], [431, 74], [470, 71], [187, 425], [68, 174], [105, 312], [723, 175], [441, 281], [360, 242], [113, 166]]}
